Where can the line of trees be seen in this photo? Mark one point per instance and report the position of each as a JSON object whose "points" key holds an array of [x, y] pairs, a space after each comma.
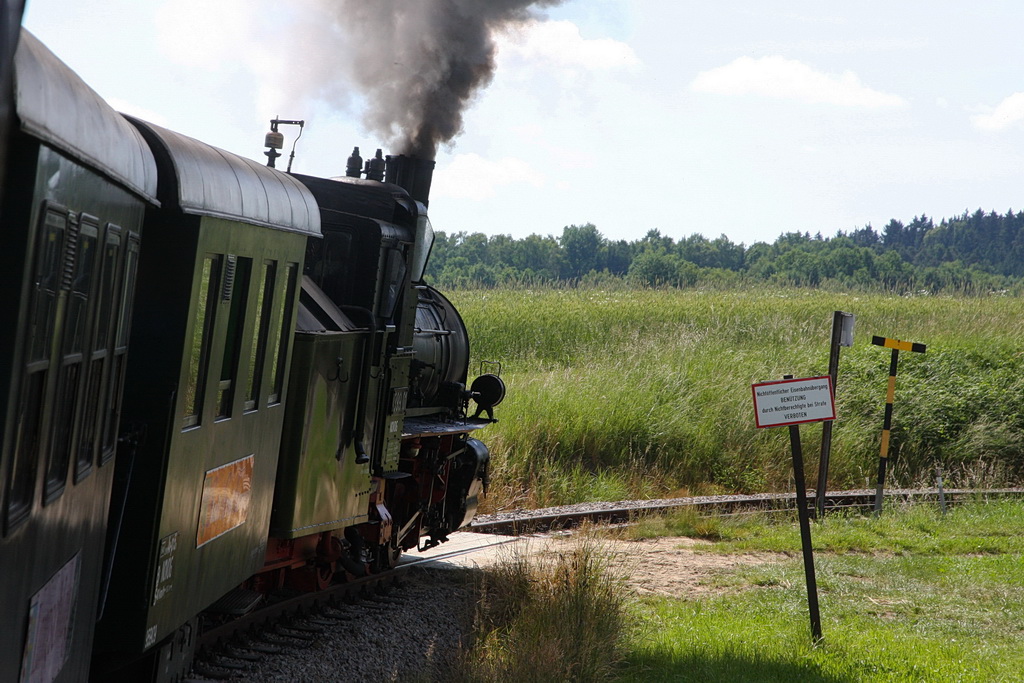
{"points": [[972, 252]]}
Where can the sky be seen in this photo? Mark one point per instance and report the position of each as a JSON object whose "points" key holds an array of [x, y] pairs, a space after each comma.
{"points": [[741, 118]]}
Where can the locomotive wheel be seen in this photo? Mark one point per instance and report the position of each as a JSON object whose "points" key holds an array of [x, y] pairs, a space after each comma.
{"points": [[387, 556], [324, 575], [313, 578]]}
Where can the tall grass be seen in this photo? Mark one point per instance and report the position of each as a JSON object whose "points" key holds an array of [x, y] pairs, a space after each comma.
{"points": [[549, 619], [621, 393]]}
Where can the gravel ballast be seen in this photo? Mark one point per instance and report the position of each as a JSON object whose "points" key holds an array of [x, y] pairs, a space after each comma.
{"points": [[414, 632]]}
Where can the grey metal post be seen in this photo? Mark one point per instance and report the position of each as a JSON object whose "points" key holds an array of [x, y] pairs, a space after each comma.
{"points": [[826, 429], [942, 493]]}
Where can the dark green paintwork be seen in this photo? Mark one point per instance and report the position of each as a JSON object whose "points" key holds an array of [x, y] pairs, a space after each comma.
{"points": [[169, 469], [48, 536], [316, 489]]}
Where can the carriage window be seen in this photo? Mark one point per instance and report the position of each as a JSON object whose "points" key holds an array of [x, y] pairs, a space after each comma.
{"points": [[131, 261], [23, 469], [80, 263], [279, 337], [199, 346], [83, 283], [49, 252], [261, 329], [125, 299], [236, 291], [108, 281], [47, 282], [93, 398]]}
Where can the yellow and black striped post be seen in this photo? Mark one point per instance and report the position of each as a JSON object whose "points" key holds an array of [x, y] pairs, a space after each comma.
{"points": [[896, 345]]}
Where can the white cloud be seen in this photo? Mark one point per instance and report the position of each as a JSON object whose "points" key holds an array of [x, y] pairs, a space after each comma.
{"points": [[470, 176], [790, 79], [252, 44], [1007, 113], [205, 35], [560, 44]]}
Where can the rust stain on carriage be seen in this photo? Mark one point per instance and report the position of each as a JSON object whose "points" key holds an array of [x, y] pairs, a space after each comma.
{"points": [[227, 493]]}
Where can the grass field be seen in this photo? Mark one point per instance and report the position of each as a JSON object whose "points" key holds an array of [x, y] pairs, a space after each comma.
{"points": [[638, 393], [910, 596]]}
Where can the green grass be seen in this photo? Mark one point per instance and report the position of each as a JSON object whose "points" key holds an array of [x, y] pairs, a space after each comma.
{"points": [[640, 393], [920, 529], [912, 595], [909, 596]]}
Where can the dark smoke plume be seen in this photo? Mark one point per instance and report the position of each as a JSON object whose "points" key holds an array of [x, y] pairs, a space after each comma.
{"points": [[420, 62]]}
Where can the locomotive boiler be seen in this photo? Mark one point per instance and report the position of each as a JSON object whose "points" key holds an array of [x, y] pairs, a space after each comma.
{"points": [[218, 381]]}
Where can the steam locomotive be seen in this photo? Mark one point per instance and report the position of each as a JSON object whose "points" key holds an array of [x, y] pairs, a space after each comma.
{"points": [[216, 380]]}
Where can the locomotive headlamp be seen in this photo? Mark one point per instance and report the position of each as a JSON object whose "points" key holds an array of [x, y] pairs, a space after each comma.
{"points": [[488, 391]]}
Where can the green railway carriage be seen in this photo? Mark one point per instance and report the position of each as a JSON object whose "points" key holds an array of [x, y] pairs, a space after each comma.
{"points": [[205, 398], [78, 179]]}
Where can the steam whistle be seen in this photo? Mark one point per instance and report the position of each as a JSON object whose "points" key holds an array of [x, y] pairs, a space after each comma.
{"points": [[354, 167], [275, 141], [374, 169]]}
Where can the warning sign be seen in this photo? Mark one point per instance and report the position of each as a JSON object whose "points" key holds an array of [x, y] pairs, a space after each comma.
{"points": [[793, 401]]}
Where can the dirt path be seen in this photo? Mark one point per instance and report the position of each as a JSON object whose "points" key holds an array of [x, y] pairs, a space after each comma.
{"points": [[665, 566], [677, 567]]}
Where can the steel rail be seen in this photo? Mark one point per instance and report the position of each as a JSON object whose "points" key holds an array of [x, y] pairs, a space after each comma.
{"points": [[625, 511]]}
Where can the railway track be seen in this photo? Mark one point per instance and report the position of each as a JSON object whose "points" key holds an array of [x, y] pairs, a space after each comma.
{"points": [[527, 521], [288, 625]]}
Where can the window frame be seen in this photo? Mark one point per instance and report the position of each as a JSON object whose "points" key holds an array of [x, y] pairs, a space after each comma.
{"points": [[34, 375], [205, 298]]}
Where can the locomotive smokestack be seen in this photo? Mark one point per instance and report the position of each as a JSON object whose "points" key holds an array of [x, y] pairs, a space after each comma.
{"points": [[412, 173]]}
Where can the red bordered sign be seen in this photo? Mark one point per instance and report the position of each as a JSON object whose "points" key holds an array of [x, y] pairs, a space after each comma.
{"points": [[793, 401]]}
